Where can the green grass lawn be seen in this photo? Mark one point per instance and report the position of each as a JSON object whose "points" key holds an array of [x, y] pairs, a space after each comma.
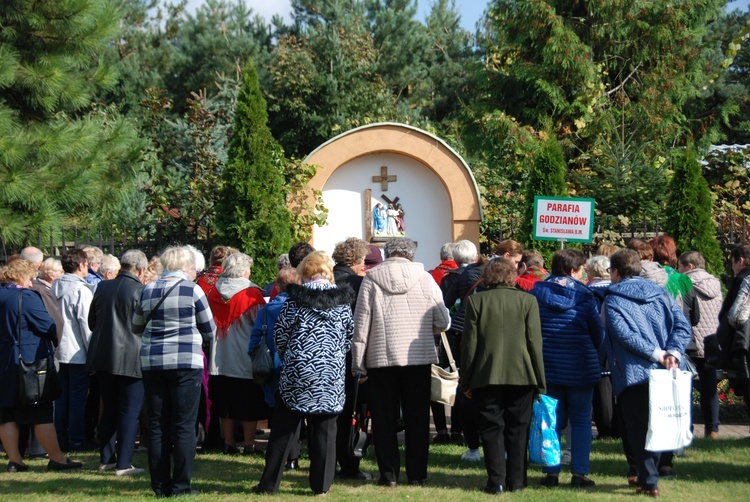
{"points": [[711, 470]]}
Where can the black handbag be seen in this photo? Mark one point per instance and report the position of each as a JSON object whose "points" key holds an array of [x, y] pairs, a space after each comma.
{"points": [[262, 359], [37, 380], [359, 438]]}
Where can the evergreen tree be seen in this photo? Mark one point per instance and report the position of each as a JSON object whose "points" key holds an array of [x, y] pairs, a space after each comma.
{"points": [[546, 178], [449, 58], [689, 212], [63, 158], [324, 78], [252, 214]]}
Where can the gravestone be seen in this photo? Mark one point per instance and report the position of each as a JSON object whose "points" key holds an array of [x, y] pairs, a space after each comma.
{"points": [[391, 180]]}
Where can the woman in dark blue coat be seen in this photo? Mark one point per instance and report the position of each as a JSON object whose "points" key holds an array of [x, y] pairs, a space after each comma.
{"points": [[37, 333], [572, 333]]}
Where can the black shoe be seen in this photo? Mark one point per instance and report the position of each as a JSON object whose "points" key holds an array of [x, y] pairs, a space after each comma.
{"points": [[550, 480], [14, 467], [385, 482], [581, 482], [442, 439], [230, 450], [354, 476], [416, 482], [292, 465], [493, 489], [68, 465], [249, 449], [457, 438]]}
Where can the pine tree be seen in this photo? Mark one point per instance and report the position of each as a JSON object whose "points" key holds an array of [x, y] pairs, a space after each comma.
{"points": [[63, 158], [252, 214], [546, 178], [689, 212]]}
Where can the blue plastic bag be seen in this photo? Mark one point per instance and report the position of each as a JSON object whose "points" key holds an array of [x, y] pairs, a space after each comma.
{"points": [[544, 445]]}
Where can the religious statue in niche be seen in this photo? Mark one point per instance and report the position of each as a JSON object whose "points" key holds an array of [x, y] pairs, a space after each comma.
{"points": [[379, 219], [388, 221]]}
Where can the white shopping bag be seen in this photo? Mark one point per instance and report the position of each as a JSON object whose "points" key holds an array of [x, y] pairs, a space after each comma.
{"points": [[669, 410]]}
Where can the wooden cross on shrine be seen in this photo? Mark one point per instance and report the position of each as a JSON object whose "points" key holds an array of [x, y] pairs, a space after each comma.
{"points": [[389, 201], [384, 178]]}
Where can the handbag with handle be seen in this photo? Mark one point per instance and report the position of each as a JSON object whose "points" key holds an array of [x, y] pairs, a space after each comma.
{"points": [[444, 382], [359, 438], [670, 398], [37, 380], [262, 359]]}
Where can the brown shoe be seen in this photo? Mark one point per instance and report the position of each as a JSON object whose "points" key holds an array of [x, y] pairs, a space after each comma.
{"points": [[713, 435], [644, 491]]}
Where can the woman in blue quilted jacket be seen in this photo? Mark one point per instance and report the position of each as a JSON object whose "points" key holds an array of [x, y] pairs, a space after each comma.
{"points": [[572, 333]]}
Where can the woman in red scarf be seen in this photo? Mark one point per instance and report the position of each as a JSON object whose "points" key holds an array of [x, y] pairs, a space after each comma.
{"points": [[234, 302]]}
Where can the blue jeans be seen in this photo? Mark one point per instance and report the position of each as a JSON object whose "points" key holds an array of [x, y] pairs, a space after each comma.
{"points": [[574, 404], [122, 400], [70, 407], [172, 397]]}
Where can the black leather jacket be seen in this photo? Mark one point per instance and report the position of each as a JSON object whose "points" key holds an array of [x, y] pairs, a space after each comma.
{"points": [[113, 347]]}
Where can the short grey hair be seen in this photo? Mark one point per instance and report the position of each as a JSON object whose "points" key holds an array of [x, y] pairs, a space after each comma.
{"points": [[110, 264], [50, 265], [200, 260], [32, 254], [401, 247], [236, 265], [597, 266], [134, 259], [446, 251], [93, 254], [464, 252], [283, 261], [177, 258]]}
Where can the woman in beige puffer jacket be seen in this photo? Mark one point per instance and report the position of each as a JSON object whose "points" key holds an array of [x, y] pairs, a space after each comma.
{"points": [[399, 308]]}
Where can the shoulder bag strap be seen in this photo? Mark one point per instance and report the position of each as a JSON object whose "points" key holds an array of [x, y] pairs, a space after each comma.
{"points": [[448, 351], [471, 290], [17, 339], [161, 300]]}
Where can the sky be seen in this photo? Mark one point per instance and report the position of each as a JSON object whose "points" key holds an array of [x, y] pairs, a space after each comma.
{"points": [[471, 10]]}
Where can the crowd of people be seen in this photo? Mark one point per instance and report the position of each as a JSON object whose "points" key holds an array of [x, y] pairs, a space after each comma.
{"points": [[162, 348]]}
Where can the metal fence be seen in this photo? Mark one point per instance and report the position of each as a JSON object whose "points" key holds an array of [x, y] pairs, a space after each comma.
{"points": [[114, 241]]}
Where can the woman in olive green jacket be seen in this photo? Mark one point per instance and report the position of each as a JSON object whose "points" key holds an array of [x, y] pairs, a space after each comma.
{"points": [[502, 369]]}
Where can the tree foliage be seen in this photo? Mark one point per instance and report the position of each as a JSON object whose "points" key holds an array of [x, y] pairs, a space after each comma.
{"points": [[546, 178], [689, 212], [252, 214], [63, 157]]}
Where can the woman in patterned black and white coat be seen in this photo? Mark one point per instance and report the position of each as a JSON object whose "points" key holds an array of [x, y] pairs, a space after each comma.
{"points": [[313, 334]]}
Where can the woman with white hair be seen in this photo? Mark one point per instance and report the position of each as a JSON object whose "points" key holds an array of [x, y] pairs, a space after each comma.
{"points": [[174, 319], [235, 302]]}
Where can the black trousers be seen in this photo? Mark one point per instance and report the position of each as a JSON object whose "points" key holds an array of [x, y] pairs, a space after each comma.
{"points": [[407, 388], [634, 406], [349, 464], [321, 443], [504, 413]]}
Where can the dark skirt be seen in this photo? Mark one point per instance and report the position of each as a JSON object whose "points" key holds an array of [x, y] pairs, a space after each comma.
{"points": [[31, 414], [237, 399]]}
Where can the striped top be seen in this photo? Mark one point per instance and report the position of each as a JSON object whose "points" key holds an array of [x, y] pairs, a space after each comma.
{"points": [[173, 337]]}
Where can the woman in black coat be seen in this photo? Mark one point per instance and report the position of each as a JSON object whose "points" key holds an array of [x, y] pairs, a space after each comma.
{"points": [[37, 333], [313, 334]]}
